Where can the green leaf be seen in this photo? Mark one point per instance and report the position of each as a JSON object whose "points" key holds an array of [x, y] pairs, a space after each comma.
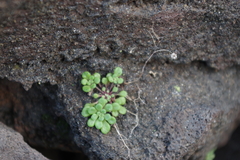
{"points": [[115, 89], [105, 128], [115, 80], [109, 75], [107, 116], [103, 111], [97, 80], [91, 78], [95, 95], [118, 71], [105, 81], [86, 88], [92, 110], [108, 107], [210, 155], [123, 94], [85, 111], [104, 89], [102, 101], [93, 86], [84, 81], [90, 122], [116, 106], [115, 113], [101, 115], [94, 116], [101, 118], [98, 124], [90, 82], [98, 107], [97, 75], [114, 76], [86, 75], [121, 100], [122, 110], [112, 120], [120, 80], [89, 105], [110, 78]]}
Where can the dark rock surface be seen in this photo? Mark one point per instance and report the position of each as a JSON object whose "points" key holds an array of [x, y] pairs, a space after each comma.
{"points": [[12, 146], [31, 113], [189, 103]]}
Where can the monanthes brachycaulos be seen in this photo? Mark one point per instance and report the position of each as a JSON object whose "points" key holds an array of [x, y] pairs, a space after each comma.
{"points": [[110, 101]]}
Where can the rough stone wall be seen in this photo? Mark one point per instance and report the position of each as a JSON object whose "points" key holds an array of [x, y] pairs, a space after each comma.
{"points": [[46, 45], [12, 146]]}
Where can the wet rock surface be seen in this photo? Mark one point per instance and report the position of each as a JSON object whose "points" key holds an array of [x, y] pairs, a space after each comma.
{"points": [[189, 100]]}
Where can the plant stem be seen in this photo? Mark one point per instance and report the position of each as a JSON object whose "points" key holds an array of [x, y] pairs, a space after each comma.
{"points": [[100, 85], [112, 85], [100, 90]]}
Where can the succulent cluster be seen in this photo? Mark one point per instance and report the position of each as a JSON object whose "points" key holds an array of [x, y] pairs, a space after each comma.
{"points": [[110, 102]]}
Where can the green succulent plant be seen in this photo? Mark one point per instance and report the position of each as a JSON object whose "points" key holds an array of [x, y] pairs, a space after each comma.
{"points": [[110, 101], [89, 81], [210, 155]]}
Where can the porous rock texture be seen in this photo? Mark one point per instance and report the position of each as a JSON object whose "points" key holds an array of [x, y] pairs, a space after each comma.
{"points": [[12, 146], [186, 101]]}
